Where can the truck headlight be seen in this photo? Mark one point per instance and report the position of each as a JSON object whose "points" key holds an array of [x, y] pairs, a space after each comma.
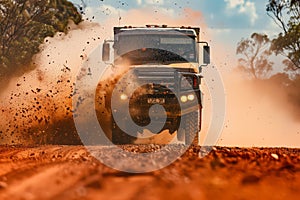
{"points": [[183, 98], [123, 97], [191, 97]]}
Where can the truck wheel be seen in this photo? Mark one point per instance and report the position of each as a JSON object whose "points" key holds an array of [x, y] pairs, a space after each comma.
{"points": [[119, 136], [181, 134], [191, 128]]}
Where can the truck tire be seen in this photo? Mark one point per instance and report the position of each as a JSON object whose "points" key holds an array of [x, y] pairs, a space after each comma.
{"points": [[191, 128], [119, 136]]}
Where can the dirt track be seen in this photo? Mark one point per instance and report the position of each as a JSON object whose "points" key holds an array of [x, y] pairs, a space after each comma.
{"points": [[69, 172]]}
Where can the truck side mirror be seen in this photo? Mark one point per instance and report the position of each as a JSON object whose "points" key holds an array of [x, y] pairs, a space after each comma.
{"points": [[206, 55], [105, 52]]}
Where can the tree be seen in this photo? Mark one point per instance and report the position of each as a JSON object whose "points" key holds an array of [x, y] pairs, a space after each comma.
{"points": [[286, 14], [255, 53], [24, 24]]}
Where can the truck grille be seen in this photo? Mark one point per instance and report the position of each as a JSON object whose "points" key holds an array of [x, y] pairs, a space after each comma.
{"points": [[157, 76]]}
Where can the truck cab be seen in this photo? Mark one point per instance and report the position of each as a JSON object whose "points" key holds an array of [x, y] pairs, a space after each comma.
{"points": [[163, 66]]}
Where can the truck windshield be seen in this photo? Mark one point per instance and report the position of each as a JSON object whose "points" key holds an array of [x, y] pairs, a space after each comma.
{"points": [[156, 48]]}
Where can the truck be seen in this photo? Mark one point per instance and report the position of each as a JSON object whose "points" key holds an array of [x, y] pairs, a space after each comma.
{"points": [[163, 65]]}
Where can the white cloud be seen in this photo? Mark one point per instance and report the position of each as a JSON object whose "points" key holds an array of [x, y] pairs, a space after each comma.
{"points": [[151, 2], [245, 7], [249, 9], [139, 2], [234, 3], [109, 10], [221, 31]]}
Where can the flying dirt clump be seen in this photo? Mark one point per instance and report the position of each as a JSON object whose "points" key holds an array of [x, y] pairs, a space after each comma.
{"points": [[40, 114]]}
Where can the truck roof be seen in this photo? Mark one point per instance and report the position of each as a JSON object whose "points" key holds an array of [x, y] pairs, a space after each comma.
{"points": [[190, 31]]}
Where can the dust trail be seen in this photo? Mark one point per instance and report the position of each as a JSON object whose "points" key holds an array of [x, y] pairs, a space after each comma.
{"points": [[39, 102], [37, 107]]}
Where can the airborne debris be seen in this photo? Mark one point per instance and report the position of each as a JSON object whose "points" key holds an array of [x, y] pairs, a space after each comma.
{"points": [[3, 185], [275, 156]]}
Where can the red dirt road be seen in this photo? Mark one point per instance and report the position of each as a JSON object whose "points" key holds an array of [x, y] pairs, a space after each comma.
{"points": [[70, 172]]}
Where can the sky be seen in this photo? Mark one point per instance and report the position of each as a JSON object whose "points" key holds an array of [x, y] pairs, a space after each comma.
{"points": [[218, 14], [224, 22]]}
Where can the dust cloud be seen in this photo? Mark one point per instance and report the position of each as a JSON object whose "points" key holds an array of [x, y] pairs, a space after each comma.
{"points": [[36, 108], [259, 113]]}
